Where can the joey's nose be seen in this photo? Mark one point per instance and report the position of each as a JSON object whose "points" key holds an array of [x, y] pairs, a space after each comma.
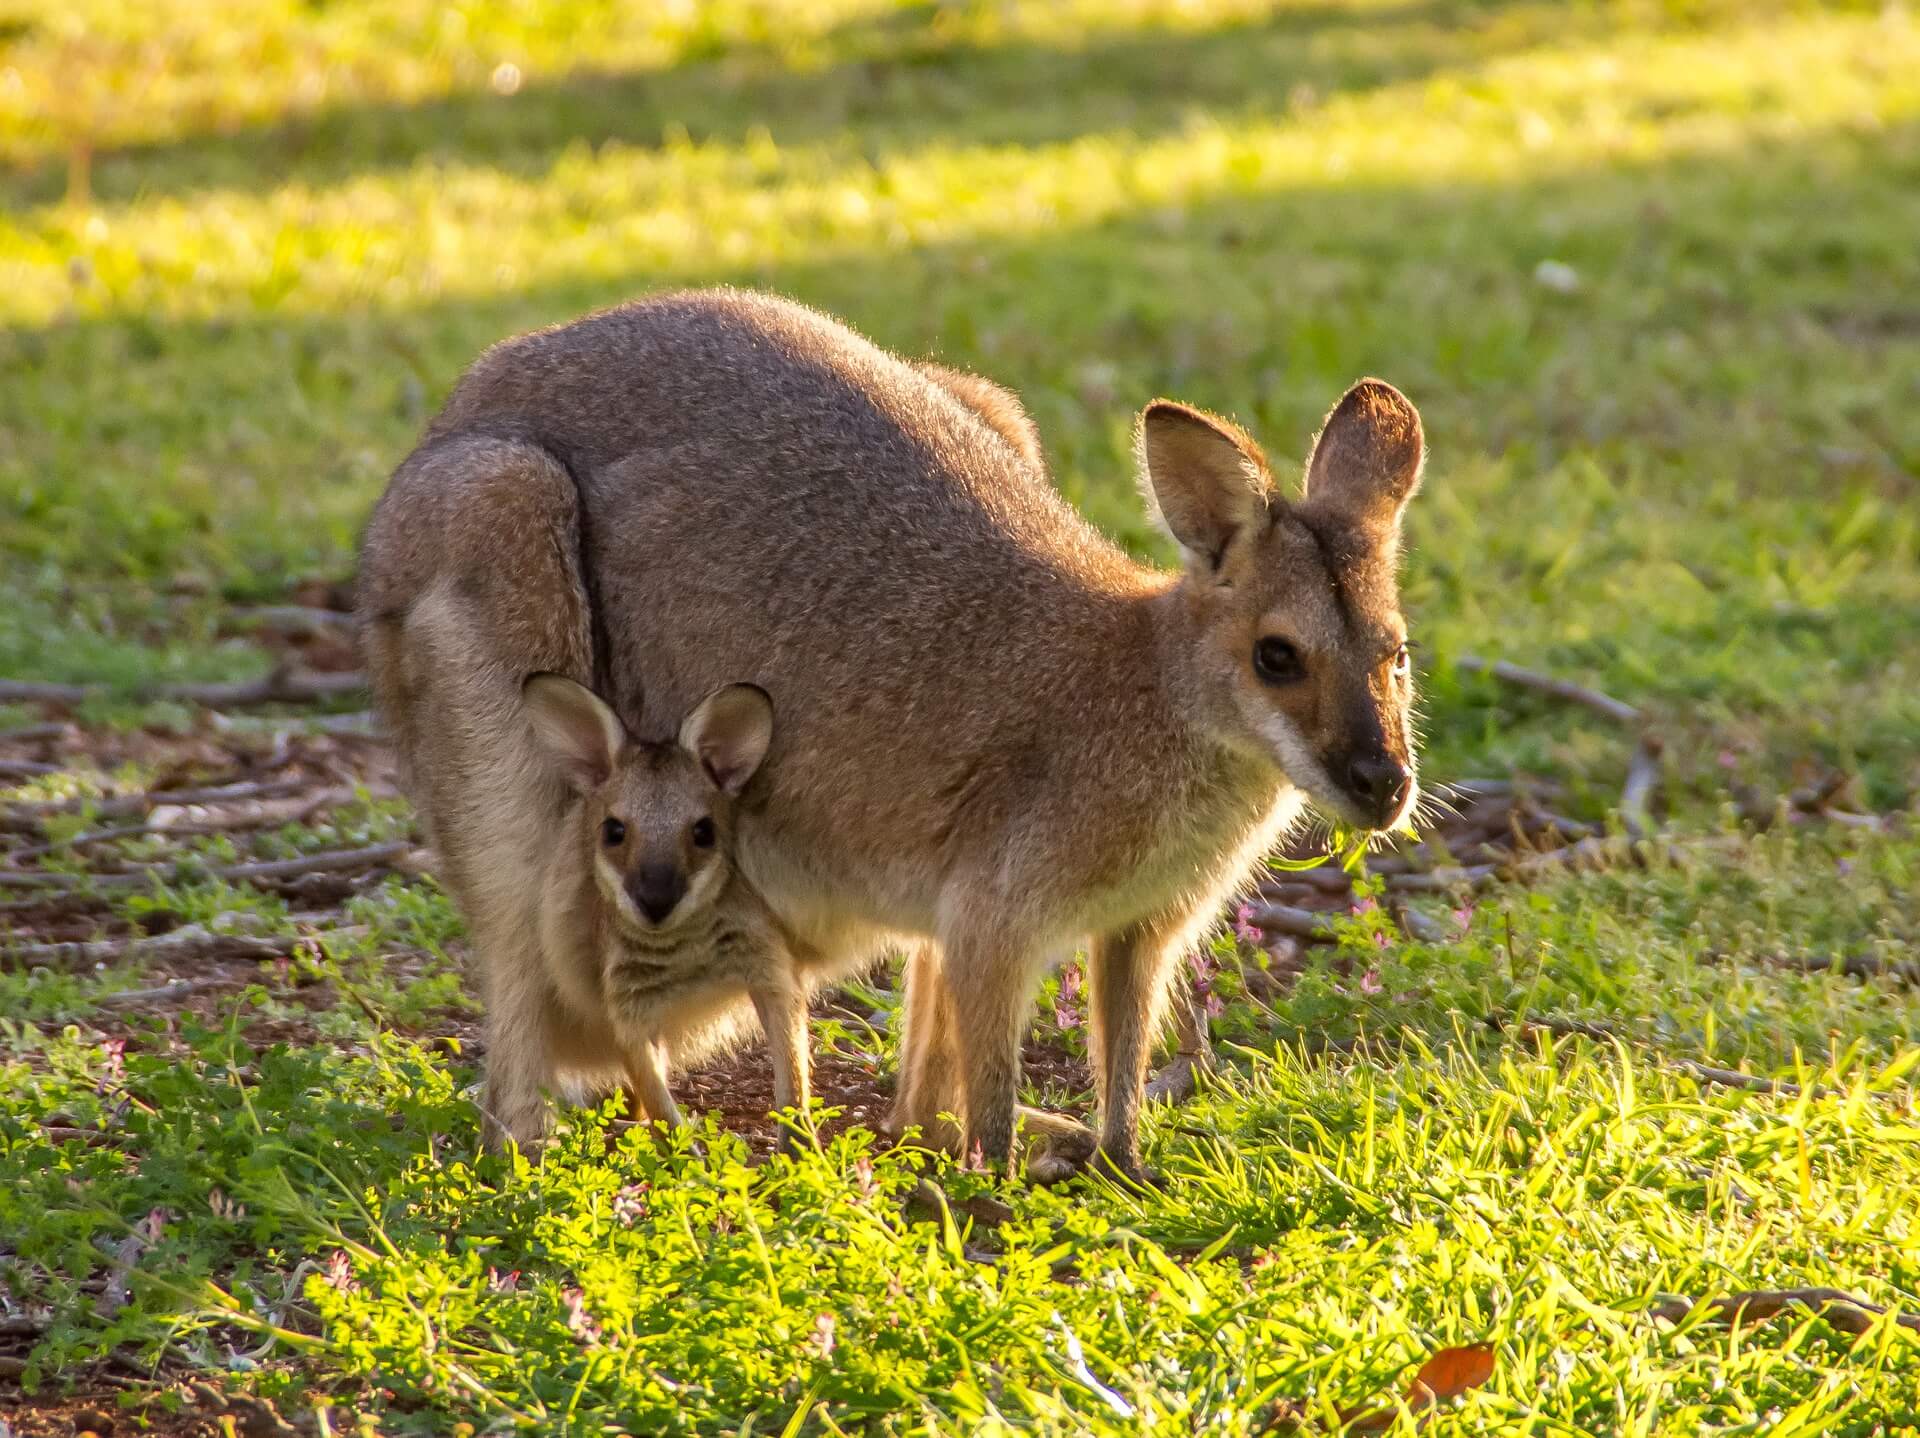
{"points": [[656, 888], [1380, 783]]}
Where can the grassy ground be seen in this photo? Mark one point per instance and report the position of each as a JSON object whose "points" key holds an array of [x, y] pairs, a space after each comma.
{"points": [[1648, 270]]}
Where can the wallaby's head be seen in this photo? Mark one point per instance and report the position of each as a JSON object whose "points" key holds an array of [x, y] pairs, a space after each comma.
{"points": [[656, 819], [1298, 647]]}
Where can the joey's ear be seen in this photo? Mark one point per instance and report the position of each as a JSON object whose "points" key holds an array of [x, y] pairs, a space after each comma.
{"points": [[575, 726], [1366, 462], [729, 733], [1207, 477]]}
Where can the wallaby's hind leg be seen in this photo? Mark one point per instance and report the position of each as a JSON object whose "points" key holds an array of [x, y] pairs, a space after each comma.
{"points": [[991, 1018], [930, 1081], [519, 1061]]}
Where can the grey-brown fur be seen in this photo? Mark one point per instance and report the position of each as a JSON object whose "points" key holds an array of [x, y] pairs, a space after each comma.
{"points": [[1000, 737]]}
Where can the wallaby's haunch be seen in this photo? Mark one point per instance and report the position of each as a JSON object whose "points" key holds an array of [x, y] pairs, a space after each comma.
{"points": [[1000, 737], [615, 939]]}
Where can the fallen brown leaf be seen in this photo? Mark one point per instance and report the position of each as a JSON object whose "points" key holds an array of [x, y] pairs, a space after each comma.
{"points": [[1448, 1374]]}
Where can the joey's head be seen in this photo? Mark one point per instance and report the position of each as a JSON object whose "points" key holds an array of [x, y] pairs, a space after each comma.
{"points": [[1298, 648], [656, 819]]}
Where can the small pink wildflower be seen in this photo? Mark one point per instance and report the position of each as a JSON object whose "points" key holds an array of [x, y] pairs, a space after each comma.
{"points": [[113, 1065], [580, 1323], [1244, 927], [1202, 964], [863, 1176], [976, 1158], [1367, 905], [821, 1339], [1067, 1014], [1071, 984], [339, 1275], [1214, 1006], [1463, 916], [630, 1203], [1380, 939], [155, 1224], [1370, 982], [500, 1282]]}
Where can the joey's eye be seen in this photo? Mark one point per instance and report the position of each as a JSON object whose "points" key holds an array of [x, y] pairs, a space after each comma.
{"points": [[1277, 662], [703, 833], [613, 833], [1402, 661]]}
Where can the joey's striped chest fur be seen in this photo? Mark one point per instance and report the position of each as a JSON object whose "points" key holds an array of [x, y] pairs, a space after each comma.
{"points": [[720, 948]]}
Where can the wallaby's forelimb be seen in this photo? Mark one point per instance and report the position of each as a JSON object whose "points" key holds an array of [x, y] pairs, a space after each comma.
{"points": [[1127, 979], [930, 1079]]}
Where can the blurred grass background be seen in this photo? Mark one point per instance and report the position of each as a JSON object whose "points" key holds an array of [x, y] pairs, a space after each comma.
{"points": [[1649, 270]]}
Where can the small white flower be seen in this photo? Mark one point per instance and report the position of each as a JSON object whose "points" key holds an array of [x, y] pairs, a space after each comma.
{"points": [[1561, 278]]}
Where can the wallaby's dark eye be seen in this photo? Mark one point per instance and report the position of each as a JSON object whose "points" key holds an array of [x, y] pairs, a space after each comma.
{"points": [[1402, 661], [703, 833], [1277, 662], [613, 833]]}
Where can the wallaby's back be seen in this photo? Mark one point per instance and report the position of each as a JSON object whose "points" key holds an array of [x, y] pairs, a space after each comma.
{"points": [[756, 477]]}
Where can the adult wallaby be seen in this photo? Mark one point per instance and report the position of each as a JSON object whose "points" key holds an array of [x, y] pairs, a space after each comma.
{"points": [[614, 938], [1000, 736]]}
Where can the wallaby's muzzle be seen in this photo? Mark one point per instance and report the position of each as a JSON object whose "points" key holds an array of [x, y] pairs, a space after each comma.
{"points": [[1379, 786]]}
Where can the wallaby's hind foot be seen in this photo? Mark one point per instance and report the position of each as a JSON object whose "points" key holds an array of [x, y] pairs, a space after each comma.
{"points": [[1057, 1147]]}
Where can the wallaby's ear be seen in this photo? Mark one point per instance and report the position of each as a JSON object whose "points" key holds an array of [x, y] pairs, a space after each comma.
{"points": [[575, 726], [1206, 475], [1366, 462], [729, 733]]}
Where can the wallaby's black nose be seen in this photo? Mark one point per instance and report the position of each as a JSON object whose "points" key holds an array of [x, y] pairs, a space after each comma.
{"points": [[1379, 782], [656, 888]]}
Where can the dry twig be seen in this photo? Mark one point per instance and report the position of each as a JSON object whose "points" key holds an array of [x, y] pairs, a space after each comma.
{"points": [[1615, 709], [1193, 1052], [1286, 919], [1705, 1073], [1843, 1310], [191, 942], [272, 870], [120, 805], [1853, 966], [1643, 782], [282, 686]]}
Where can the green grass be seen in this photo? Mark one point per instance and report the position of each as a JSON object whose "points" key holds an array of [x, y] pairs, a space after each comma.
{"points": [[1693, 479]]}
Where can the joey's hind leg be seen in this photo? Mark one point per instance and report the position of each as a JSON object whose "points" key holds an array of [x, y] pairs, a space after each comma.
{"points": [[647, 1077], [930, 1082], [782, 1009]]}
